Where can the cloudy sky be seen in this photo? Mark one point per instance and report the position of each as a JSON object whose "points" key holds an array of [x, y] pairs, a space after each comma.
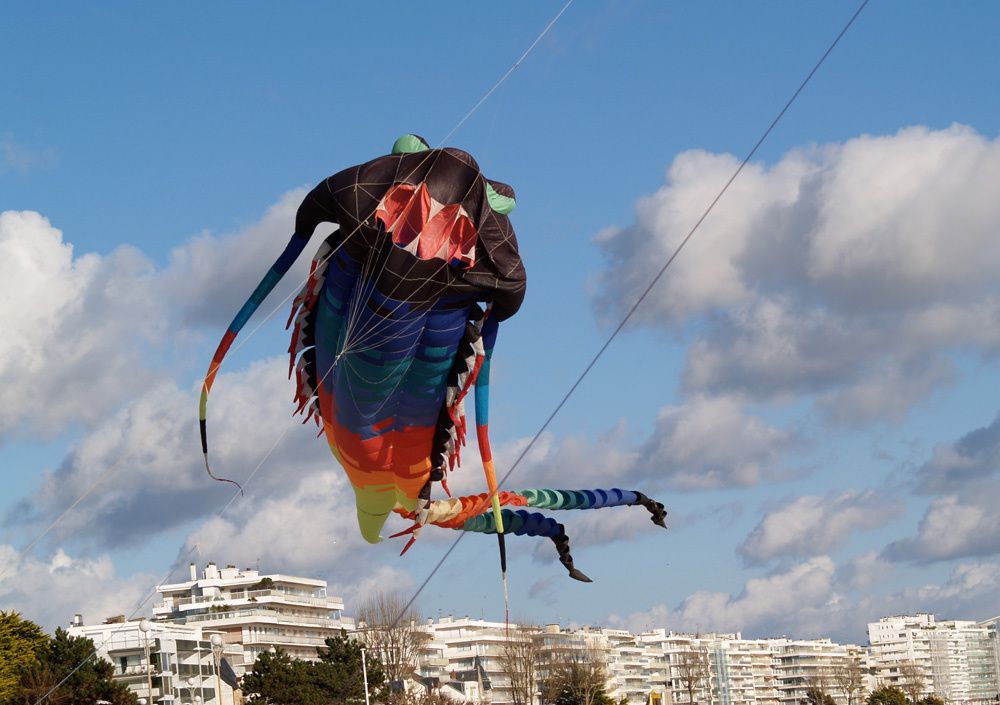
{"points": [[809, 389]]}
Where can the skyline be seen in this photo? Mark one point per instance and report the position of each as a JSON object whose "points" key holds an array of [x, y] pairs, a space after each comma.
{"points": [[807, 390]]}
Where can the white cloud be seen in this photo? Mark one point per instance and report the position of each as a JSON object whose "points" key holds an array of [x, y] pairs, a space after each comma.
{"points": [[705, 443], [762, 606], [711, 442], [146, 459], [82, 333], [828, 601], [74, 328], [954, 527], [51, 591], [848, 272], [210, 276], [309, 529], [814, 524], [961, 521]]}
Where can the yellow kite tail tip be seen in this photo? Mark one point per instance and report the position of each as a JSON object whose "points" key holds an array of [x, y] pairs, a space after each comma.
{"points": [[497, 515]]}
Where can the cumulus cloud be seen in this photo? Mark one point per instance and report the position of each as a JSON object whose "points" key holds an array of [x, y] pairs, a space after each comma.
{"points": [[815, 524], [74, 328], [762, 606], [309, 529], [954, 527], [705, 443], [210, 276], [84, 332], [142, 466], [961, 521], [847, 272], [953, 467], [50, 591], [711, 442]]}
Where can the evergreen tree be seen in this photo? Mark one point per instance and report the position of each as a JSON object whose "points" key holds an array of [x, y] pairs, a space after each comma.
{"points": [[887, 695], [20, 642]]}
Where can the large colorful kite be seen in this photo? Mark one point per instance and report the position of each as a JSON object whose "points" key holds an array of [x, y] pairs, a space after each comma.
{"points": [[395, 325]]}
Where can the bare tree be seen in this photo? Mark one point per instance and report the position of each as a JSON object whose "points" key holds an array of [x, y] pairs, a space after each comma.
{"points": [[818, 686], [692, 669], [849, 678], [520, 658], [390, 629], [578, 676], [911, 680]]}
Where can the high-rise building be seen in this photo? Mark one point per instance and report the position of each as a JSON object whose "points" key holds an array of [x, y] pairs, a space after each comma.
{"points": [[954, 659], [260, 612]]}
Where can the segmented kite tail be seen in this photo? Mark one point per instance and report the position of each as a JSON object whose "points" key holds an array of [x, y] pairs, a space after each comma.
{"points": [[521, 522], [488, 327], [281, 265]]}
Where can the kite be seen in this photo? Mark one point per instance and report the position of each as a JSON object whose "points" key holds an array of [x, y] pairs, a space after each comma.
{"points": [[394, 327]]}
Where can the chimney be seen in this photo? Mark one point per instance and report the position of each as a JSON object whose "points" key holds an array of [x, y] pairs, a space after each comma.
{"points": [[194, 572]]}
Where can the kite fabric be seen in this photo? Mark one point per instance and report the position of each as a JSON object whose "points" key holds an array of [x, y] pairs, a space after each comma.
{"points": [[394, 327]]}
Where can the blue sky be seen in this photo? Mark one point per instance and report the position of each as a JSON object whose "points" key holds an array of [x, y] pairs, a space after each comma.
{"points": [[799, 390]]}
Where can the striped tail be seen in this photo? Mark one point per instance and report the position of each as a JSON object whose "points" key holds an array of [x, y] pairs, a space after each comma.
{"points": [[281, 265]]}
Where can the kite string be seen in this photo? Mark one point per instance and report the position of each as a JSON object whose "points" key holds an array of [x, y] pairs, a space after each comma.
{"points": [[647, 290]]}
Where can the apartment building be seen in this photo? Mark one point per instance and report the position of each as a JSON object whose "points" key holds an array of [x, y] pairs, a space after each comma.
{"points": [[953, 659], [811, 663], [259, 612], [163, 663]]}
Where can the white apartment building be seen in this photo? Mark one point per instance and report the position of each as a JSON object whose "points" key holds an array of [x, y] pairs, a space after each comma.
{"points": [[801, 664], [259, 612], [955, 660], [462, 646], [165, 664]]}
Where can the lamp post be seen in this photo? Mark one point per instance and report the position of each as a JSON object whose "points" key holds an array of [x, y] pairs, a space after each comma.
{"points": [[217, 645], [190, 688], [364, 671], [144, 627]]}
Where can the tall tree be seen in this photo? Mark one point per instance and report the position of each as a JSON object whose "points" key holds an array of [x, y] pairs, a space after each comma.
{"points": [[911, 680], [390, 629], [576, 677], [520, 658], [886, 695], [20, 642], [278, 679], [849, 679], [340, 662], [67, 671], [338, 677], [815, 696], [692, 671]]}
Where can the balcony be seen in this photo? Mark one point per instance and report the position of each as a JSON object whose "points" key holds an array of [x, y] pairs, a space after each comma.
{"points": [[245, 597], [255, 615]]}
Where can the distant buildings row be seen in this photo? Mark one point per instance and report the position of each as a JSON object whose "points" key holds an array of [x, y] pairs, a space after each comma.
{"points": [[235, 614]]}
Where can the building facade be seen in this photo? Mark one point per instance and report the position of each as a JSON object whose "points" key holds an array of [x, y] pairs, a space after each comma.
{"points": [[168, 664], [258, 612], [953, 659]]}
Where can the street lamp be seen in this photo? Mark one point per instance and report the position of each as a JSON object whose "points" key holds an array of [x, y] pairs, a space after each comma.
{"points": [[190, 687], [217, 644], [364, 671], [144, 627]]}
